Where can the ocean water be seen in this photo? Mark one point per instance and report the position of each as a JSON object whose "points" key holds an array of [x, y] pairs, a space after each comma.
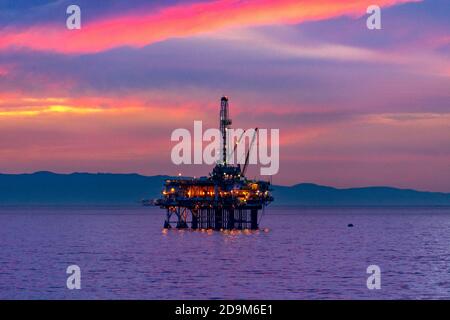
{"points": [[307, 253]]}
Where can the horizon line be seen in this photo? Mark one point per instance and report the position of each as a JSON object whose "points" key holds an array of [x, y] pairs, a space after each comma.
{"points": [[175, 176]]}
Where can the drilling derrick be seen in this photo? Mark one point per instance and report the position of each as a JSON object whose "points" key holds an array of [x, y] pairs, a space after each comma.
{"points": [[225, 200], [224, 122]]}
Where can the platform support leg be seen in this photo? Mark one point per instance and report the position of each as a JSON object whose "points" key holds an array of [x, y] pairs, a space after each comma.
{"points": [[167, 221], [254, 219], [218, 223], [230, 219], [194, 223]]}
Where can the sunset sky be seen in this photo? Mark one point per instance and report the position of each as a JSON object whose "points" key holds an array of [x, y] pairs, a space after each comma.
{"points": [[355, 107]]}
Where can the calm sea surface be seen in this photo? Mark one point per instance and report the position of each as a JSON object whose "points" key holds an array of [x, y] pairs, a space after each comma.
{"points": [[307, 254]]}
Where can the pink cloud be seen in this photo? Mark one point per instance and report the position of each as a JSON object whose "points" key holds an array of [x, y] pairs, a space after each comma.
{"points": [[140, 29]]}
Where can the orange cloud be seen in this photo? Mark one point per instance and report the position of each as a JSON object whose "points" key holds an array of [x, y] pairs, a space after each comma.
{"points": [[140, 29], [47, 110], [14, 106]]}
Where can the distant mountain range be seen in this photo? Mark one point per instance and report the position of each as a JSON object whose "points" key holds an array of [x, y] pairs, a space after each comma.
{"points": [[47, 188]]}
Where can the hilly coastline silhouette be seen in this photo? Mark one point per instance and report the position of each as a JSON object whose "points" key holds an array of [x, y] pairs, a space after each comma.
{"points": [[47, 188]]}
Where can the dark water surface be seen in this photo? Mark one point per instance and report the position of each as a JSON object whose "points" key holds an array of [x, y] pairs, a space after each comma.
{"points": [[307, 254]]}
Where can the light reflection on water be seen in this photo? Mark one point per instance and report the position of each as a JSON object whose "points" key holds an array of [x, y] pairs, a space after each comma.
{"points": [[307, 254]]}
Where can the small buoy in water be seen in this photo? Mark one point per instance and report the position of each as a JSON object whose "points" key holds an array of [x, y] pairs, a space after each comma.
{"points": [[266, 230], [350, 225]]}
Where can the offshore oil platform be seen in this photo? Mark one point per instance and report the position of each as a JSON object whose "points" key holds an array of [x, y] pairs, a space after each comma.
{"points": [[225, 200]]}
